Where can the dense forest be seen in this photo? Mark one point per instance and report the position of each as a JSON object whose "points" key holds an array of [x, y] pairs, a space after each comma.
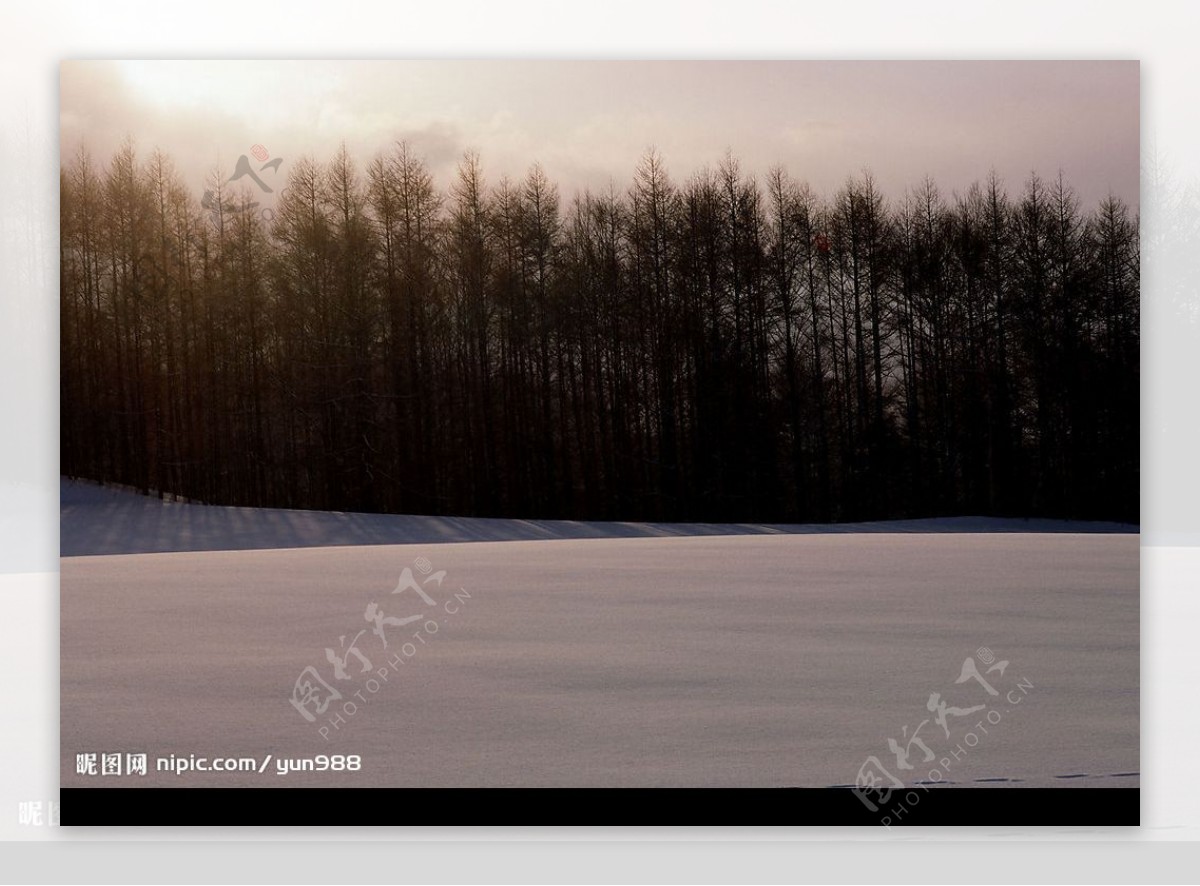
{"points": [[716, 348]]}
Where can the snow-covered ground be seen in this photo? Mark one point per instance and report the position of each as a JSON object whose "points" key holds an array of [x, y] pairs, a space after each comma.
{"points": [[768, 658], [102, 520]]}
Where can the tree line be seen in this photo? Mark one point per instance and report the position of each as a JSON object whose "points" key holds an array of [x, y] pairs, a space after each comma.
{"points": [[718, 348]]}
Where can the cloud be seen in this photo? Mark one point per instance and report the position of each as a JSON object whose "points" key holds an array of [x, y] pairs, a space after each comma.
{"points": [[589, 122]]}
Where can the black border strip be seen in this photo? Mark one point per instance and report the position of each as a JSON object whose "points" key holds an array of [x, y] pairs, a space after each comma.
{"points": [[362, 807]]}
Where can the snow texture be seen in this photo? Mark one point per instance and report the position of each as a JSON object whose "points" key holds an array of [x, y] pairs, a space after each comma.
{"points": [[102, 520], [771, 658]]}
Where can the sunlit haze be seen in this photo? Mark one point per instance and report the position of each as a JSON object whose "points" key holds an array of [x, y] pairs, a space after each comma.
{"points": [[588, 123]]}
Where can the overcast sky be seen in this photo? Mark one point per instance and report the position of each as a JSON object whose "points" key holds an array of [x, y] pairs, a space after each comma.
{"points": [[589, 122]]}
